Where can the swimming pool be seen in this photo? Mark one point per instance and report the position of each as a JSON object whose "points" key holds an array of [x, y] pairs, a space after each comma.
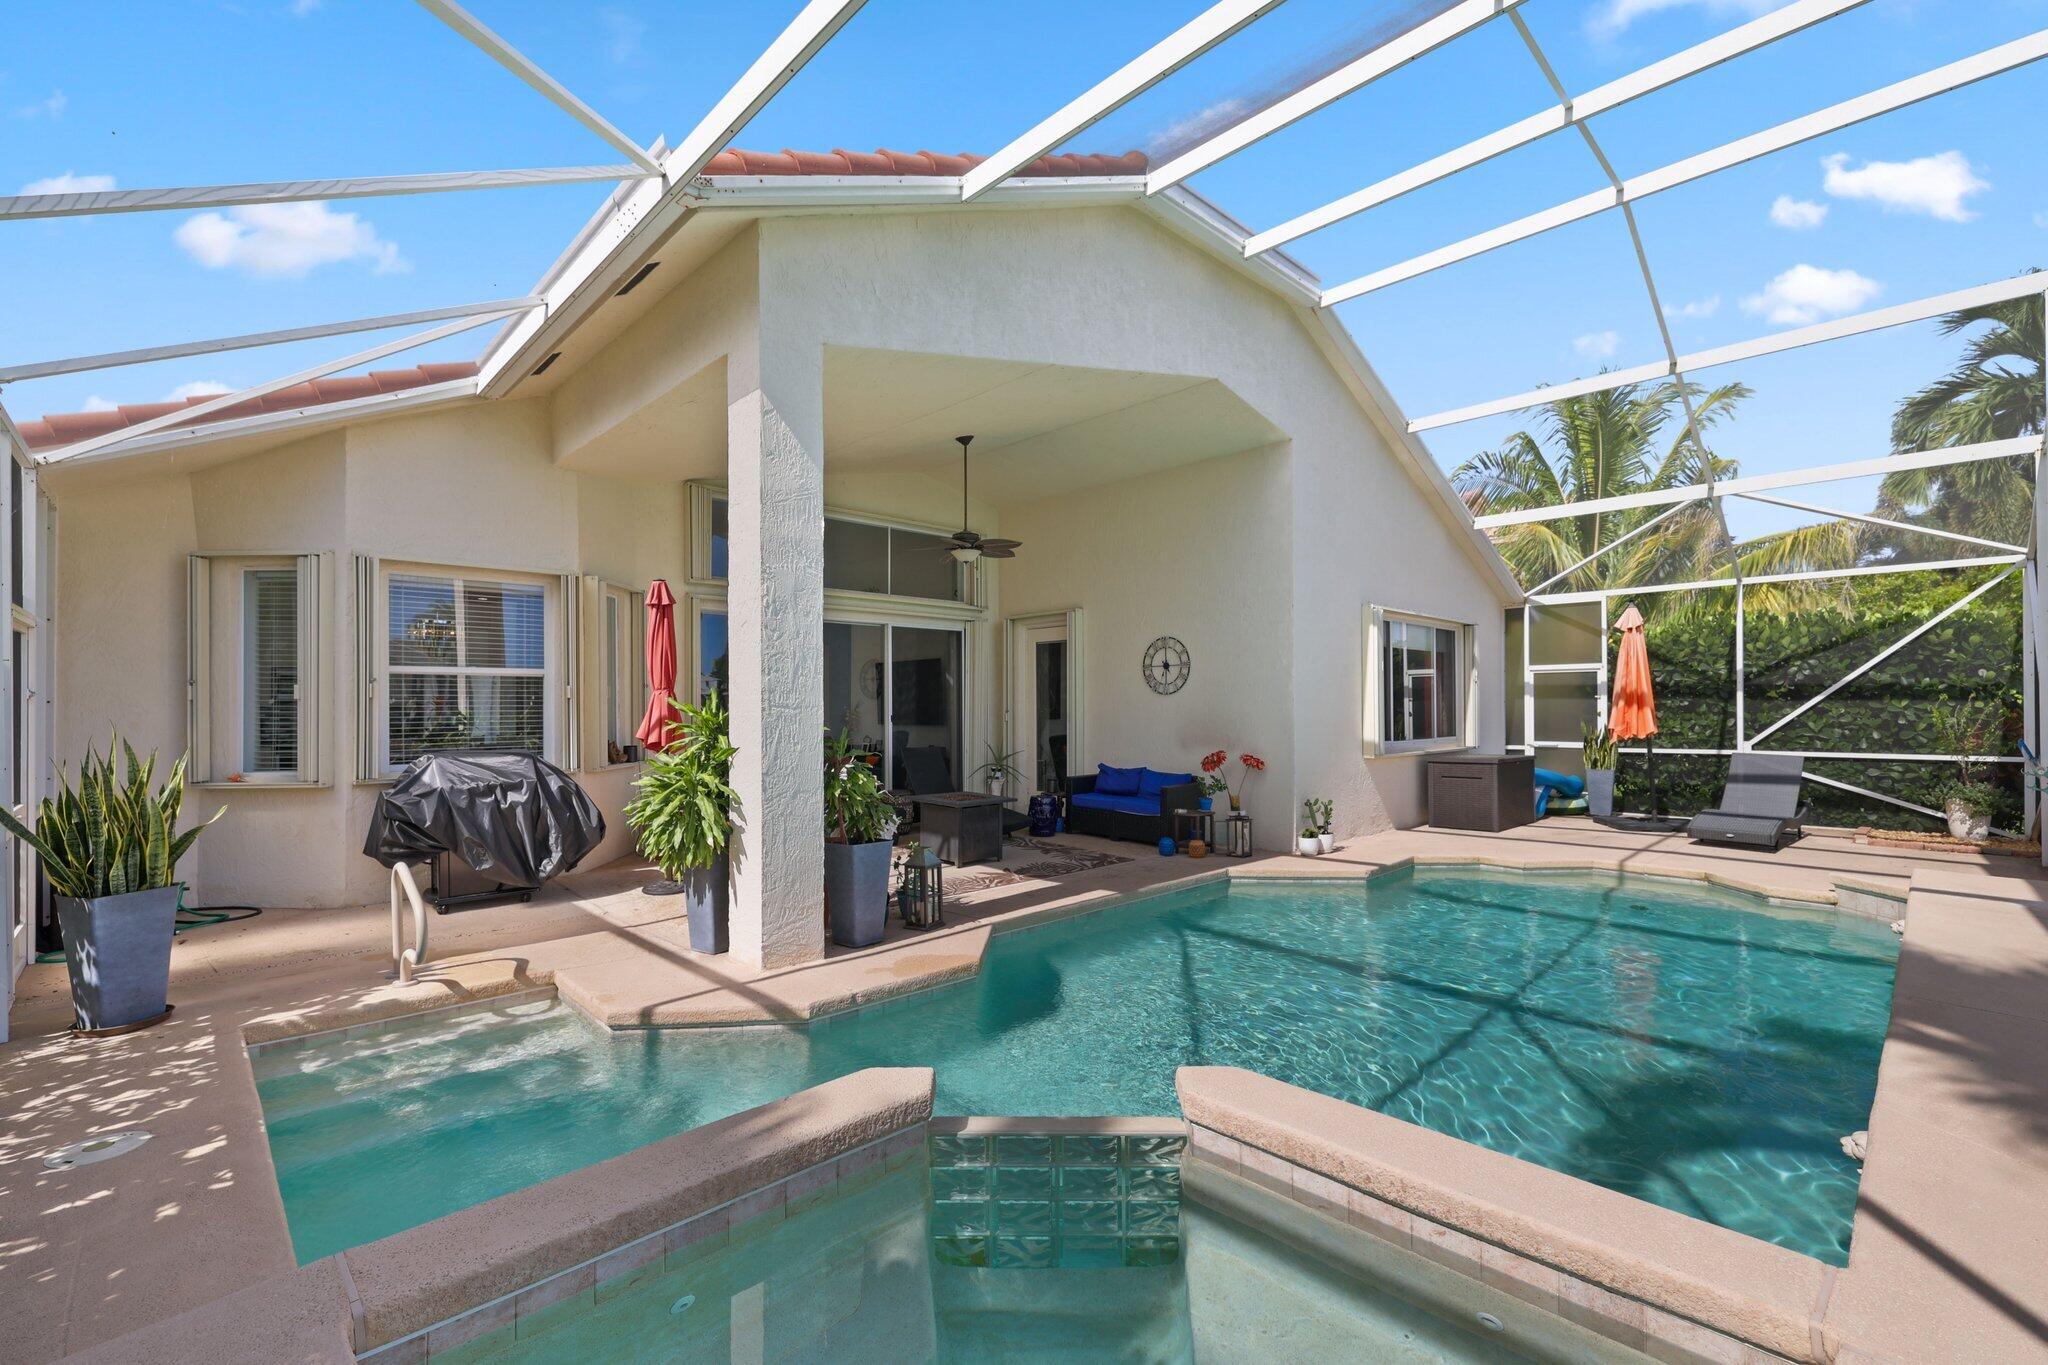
{"points": [[1697, 1049]]}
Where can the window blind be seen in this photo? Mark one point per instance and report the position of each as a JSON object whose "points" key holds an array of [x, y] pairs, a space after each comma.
{"points": [[467, 660], [270, 674]]}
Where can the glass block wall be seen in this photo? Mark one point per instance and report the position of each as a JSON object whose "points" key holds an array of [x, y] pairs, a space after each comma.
{"points": [[1036, 1201]]}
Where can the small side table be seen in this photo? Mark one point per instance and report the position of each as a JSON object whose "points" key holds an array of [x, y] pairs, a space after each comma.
{"points": [[1237, 835], [1190, 825]]}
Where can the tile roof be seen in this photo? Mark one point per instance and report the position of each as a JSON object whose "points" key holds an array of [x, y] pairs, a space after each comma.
{"points": [[63, 428], [840, 161]]}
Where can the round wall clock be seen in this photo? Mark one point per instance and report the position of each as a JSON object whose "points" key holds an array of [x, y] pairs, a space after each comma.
{"points": [[1166, 665]]}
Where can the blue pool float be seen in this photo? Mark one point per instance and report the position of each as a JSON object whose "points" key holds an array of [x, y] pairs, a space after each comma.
{"points": [[1550, 784]]}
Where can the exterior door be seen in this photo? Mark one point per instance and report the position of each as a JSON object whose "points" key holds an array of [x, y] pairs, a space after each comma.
{"points": [[1041, 731]]}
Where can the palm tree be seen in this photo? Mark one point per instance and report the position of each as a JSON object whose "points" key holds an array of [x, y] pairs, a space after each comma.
{"points": [[1993, 394], [1609, 444]]}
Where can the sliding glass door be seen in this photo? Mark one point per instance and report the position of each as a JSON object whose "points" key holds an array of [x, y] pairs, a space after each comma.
{"points": [[896, 691]]}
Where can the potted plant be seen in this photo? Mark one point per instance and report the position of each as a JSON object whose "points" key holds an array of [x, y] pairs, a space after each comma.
{"points": [[859, 823], [1969, 730], [1216, 784], [1310, 843], [1598, 750], [1319, 815], [110, 851], [683, 817], [1001, 771]]}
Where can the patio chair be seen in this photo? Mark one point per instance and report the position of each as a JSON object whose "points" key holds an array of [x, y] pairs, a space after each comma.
{"points": [[1760, 806]]}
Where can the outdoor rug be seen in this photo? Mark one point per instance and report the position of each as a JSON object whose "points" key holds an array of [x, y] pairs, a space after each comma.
{"points": [[1025, 859]]}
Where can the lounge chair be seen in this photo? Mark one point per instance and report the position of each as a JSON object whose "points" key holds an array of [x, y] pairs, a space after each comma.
{"points": [[1760, 806]]}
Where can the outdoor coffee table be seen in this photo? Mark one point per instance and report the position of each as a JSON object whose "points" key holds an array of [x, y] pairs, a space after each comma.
{"points": [[962, 827]]}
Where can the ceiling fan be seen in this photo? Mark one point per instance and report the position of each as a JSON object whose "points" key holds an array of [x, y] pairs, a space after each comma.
{"points": [[965, 547]]}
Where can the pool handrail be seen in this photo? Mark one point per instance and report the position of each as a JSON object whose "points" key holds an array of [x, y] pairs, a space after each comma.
{"points": [[405, 960]]}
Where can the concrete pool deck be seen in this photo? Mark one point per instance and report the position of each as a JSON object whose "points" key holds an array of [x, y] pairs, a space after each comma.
{"points": [[89, 1254]]}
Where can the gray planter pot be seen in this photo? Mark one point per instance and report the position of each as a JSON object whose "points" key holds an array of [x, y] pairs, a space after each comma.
{"points": [[707, 893], [857, 892], [1600, 793], [118, 951]]}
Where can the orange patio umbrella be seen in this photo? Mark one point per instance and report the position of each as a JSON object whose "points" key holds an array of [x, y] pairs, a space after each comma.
{"points": [[1632, 711], [661, 668]]}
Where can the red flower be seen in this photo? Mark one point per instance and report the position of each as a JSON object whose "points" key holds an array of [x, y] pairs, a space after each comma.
{"points": [[1253, 761], [1214, 761]]}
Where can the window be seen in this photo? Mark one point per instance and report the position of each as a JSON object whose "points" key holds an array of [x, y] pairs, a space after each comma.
{"points": [[861, 556], [618, 672], [466, 665], [254, 627], [1417, 683], [711, 660], [270, 671]]}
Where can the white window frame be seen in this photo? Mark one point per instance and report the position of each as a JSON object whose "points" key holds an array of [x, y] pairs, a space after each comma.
{"points": [[314, 630], [560, 617], [628, 654], [1376, 742], [702, 495]]}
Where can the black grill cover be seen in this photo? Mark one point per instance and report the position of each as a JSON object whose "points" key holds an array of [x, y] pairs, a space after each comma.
{"points": [[510, 816]]}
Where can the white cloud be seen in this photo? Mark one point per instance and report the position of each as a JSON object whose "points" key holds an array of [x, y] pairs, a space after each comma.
{"points": [[68, 183], [1597, 345], [197, 388], [1938, 186], [1195, 127], [302, 8], [1613, 16], [285, 241], [99, 404], [1808, 293], [1698, 308], [1788, 212], [622, 34], [2041, 220], [52, 108]]}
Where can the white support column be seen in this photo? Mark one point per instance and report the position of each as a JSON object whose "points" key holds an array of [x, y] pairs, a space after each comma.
{"points": [[775, 614]]}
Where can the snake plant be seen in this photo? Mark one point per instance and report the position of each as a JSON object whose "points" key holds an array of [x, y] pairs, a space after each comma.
{"points": [[112, 834]]}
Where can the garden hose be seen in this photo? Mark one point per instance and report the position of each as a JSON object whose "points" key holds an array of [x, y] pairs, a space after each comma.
{"points": [[189, 917]]}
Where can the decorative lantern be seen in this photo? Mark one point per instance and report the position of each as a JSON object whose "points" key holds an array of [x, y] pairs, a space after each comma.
{"points": [[920, 895], [1237, 837]]}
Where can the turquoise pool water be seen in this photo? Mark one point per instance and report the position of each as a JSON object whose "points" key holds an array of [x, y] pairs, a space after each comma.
{"points": [[1699, 1050], [875, 1274]]}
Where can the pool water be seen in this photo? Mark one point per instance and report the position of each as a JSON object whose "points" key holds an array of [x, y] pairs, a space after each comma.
{"points": [[871, 1275], [1696, 1049]]}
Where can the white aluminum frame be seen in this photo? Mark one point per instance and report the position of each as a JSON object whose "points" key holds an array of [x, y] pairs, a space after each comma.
{"points": [[515, 61], [182, 198], [1899, 95], [1775, 343], [1114, 91], [1356, 74], [1571, 111]]}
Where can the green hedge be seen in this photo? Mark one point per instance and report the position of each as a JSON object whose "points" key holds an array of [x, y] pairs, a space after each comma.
{"points": [[1890, 709]]}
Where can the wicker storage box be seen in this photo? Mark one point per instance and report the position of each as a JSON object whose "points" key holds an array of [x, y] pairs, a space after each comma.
{"points": [[1492, 792]]}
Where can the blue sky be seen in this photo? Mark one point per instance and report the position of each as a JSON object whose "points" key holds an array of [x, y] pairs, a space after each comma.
{"points": [[168, 92]]}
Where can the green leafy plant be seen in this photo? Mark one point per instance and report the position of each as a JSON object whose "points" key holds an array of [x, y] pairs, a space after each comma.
{"points": [[1970, 729], [1002, 766], [686, 805], [112, 834], [1597, 748], [857, 809]]}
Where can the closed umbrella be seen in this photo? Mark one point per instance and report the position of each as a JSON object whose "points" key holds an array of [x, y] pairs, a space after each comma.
{"points": [[661, 668], [1632, 711]]}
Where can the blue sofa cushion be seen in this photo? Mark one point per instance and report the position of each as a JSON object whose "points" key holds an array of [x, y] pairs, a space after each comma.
{"points": [[1118, 781], [1127, 805], [1151, 783]]}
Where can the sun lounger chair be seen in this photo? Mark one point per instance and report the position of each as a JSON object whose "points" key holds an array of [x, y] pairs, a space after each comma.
{"points": [[1760, 806]]}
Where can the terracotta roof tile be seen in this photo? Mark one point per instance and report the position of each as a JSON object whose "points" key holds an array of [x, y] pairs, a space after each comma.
{"points": [[63, 428]]}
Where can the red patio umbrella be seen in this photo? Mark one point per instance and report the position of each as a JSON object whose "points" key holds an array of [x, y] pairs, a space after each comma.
{"points": [[661, 668], [1632, 712]]}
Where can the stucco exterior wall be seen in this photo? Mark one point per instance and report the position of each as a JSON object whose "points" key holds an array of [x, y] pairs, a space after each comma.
{"points": [[1199, 553]]}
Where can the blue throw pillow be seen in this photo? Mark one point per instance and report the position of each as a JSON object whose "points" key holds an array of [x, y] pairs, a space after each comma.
{"points": [[1117, 781], [1151, 784]]}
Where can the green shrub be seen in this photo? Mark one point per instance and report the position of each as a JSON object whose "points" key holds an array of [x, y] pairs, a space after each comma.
{"points": [[685, 808]]}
